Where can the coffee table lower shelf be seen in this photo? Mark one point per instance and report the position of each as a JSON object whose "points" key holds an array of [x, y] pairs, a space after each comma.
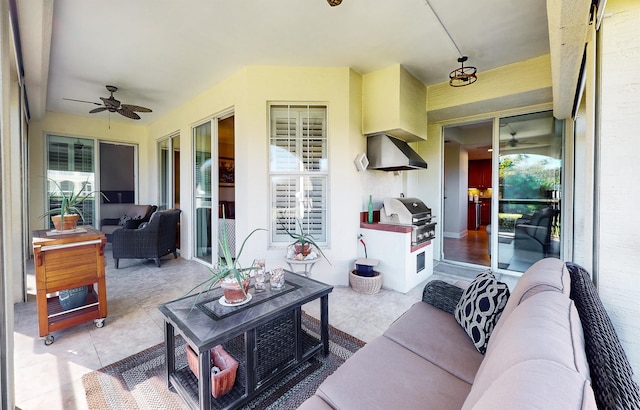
{"points": [[185, 382]]}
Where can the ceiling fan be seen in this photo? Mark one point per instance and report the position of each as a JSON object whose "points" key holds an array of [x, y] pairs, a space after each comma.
{"points": [[513, 142], [112, 105]]}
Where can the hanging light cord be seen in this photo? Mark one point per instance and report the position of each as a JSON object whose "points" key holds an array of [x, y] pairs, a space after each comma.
{"points": [[443, 27]]}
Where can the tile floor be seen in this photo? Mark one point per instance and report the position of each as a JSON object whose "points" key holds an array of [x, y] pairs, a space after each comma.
{"points": [[50, 376]]}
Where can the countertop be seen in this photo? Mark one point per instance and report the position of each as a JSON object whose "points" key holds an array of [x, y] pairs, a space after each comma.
{"points": [[386, 227]]}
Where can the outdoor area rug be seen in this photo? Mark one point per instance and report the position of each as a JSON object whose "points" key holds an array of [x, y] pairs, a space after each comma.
{"points": [[138, 382]]}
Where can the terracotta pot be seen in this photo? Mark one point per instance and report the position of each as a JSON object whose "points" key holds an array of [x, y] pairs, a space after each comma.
{"points": [[222, 382], [305, 251], [70, 222], [232, 291]]}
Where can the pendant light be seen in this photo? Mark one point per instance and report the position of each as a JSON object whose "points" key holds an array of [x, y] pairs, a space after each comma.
{"points": [[460, 76], [464, 75]]}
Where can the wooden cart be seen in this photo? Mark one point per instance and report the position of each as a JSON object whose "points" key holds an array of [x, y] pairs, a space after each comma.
{"points": [[65, 261]]}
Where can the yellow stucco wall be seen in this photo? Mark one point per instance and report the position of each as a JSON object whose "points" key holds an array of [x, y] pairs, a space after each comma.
{"points": [[393, 101], [516, 78], [97, 128], [247, 94]]}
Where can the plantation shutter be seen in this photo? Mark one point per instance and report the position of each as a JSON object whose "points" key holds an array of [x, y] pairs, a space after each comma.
{"points": [[70, 162], [298, 167]]}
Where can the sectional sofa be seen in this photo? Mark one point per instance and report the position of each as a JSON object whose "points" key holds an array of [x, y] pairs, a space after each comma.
{"points": [[553, 347], [116, 215]]}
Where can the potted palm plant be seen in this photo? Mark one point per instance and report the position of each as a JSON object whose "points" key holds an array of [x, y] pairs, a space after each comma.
{"points": [[304, 245], [233, 279], [65, 217]]}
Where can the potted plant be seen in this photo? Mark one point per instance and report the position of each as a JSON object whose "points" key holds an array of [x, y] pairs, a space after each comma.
{"points": [[233, 279], [304, 245], [66, 216]]}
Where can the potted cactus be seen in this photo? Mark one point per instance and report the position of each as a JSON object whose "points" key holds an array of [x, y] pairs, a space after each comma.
{"points": [[233, 279], [304, 245], [66, 216]]}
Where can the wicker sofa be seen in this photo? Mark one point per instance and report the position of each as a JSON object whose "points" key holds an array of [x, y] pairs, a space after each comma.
{"points": [[553, 347]]}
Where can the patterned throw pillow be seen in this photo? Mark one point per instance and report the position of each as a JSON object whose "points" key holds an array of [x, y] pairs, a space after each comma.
{"points": [[480, 308], [123, 220]]}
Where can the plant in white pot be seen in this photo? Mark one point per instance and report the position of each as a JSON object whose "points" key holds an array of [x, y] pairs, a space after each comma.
{"points": [[233, 279], [65, 217]]}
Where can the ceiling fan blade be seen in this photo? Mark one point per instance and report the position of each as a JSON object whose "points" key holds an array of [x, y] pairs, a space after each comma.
{"points": [[127, 113], [82, 101], [136, 108], [100, 109]]}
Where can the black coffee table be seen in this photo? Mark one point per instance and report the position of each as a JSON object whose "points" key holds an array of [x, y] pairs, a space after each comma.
{"points": [[265, 336]]}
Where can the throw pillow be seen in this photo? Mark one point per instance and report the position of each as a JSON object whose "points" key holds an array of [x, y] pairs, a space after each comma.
{"points": [[480, 308], [442, 295], [123, 220]]}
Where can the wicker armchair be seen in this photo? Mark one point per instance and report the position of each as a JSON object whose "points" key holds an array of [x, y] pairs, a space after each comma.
{"points": [[152, 240], [533, 233]]}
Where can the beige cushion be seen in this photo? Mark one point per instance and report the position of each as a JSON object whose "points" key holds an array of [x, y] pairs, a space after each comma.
{"points": [[547, 274], [537, 384], [546, 326], [434, 334], [314, 402], [408, 382], [115, 211]]}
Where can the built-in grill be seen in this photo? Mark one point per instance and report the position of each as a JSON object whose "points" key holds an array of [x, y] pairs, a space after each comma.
{"points": [[410, 212]]}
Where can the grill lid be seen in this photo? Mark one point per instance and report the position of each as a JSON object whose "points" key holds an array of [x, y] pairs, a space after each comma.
{"points": [[405, 211], [414, 205]]}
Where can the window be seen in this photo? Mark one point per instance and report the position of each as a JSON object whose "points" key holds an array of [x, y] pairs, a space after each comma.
{"points": [[298, 169], [70, 162]]}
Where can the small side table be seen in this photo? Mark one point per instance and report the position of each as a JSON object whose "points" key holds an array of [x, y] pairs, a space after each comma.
{"points": [[306, 264]]}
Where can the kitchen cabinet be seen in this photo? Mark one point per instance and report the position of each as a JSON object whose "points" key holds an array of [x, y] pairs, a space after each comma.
{"points": [[480, 174], [471, 216], [485, 211]]}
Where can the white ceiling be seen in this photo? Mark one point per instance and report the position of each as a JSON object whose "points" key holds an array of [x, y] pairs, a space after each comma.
{"points": [[162, 53]]}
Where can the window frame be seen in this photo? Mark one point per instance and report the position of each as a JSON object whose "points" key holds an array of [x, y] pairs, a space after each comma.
{"points": [[319, 171]]}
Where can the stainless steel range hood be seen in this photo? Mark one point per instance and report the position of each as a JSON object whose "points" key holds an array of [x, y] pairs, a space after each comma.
{"points": [[387, 153]]}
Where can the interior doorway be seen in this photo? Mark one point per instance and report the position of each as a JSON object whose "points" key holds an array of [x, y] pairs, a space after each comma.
{"points": [[467, 192]]}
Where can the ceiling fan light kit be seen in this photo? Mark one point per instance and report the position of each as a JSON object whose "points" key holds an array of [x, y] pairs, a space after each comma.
{"points": [[334, 3], [464, 75], [112, 105]]}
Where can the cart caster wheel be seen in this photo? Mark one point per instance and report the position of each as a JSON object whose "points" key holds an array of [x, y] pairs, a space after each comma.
{"points": [[99, 323], [48, 340]]}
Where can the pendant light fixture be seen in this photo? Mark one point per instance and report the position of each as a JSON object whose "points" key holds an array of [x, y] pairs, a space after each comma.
{"points": [[460, 76], [464, 75], [333, 3]]}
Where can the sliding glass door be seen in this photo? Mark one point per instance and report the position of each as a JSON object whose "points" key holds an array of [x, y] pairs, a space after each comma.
{"points": [[529, 194], [203, 188], [169, 160]]}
